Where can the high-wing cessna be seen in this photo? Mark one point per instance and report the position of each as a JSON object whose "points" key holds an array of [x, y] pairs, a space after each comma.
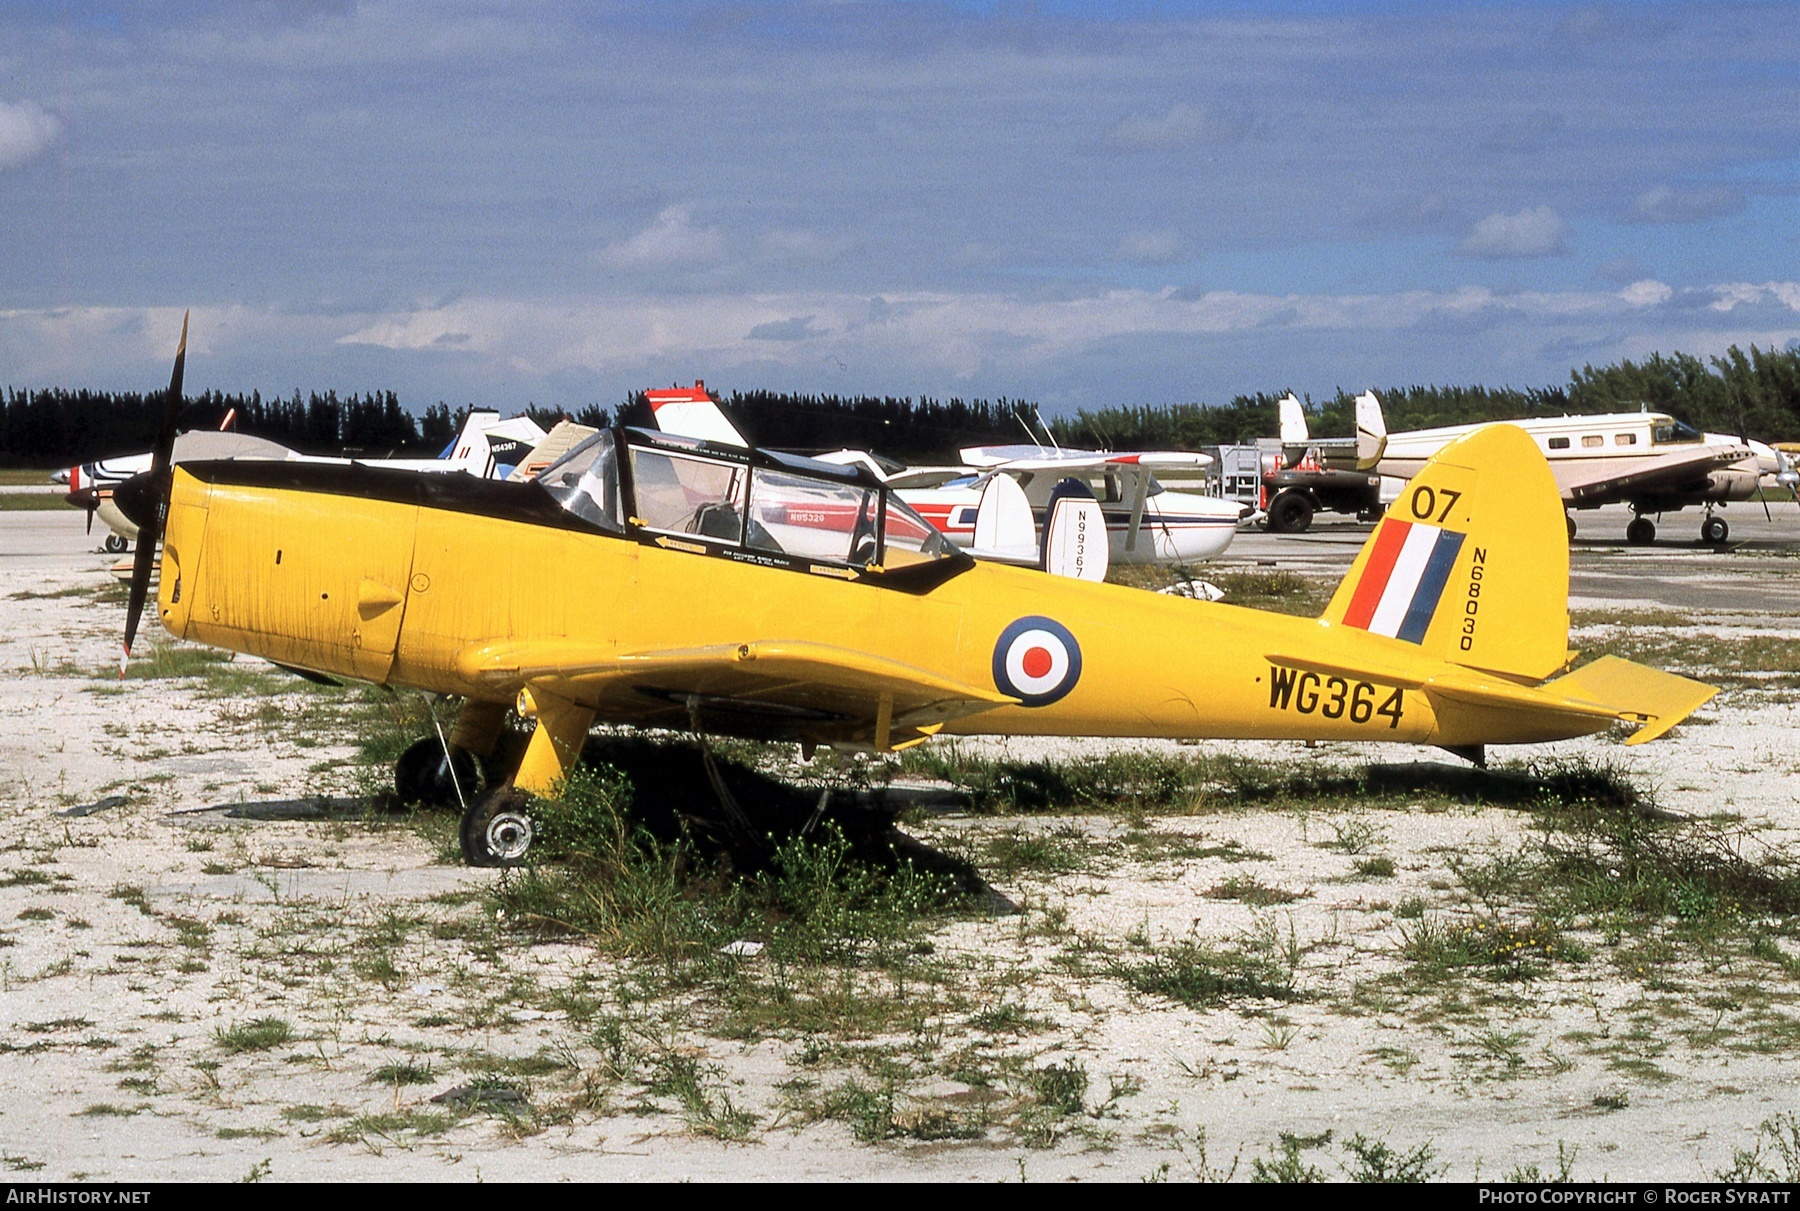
{"points": [[657, 580], [1648, 460], [1145, 522], [487, 446]]}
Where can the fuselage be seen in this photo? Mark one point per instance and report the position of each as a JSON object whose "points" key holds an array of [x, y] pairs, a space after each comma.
{"points": [[1584, 450], [390, 578]]}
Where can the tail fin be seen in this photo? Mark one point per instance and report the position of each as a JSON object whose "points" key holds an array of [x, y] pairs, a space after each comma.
{"points": [[1371, 431], [1293, 421], [1472, 562], [691, 412]]}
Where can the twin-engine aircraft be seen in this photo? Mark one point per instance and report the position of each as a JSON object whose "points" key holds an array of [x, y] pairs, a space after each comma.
{"points": [[1648, 460], [661, 581]]}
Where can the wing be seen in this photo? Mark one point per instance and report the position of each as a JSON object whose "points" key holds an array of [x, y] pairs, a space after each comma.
{"points": [[781, 689], [1584, 480], [1032, 458]]}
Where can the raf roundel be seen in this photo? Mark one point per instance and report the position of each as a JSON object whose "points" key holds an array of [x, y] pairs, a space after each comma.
{"points": [[1037, 660]]}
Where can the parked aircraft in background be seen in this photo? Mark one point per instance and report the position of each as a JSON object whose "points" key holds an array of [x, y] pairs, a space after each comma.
{"points": [[487, 448], [1145, 522], [1648, 460], [632, 583]]}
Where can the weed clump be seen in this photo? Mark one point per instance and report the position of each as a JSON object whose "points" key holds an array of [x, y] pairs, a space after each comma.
{"points": [[1202, 977], [259, 1035]]}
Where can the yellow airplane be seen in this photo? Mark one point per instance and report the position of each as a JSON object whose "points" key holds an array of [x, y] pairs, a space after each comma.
{"points": [[653, 580]]}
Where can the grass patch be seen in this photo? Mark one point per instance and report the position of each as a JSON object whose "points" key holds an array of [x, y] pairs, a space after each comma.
{"points": [[1254, 892], [1202, 976], [259, 1035]]}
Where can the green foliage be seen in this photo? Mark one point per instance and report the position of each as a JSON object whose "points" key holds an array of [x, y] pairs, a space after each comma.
{"points": [[259, 1035], [1373, 1161], [1774, 1155], [1202, 977], [1285, 1165], [603, 876]]}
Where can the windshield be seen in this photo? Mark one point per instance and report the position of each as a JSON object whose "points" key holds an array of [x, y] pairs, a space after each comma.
{"points": [[1666, 432], [585, 481], [909, 539]]}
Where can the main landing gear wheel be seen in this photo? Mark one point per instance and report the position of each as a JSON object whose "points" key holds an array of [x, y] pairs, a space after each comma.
{"points": [[1714, 529], [423, 775], [1571, 522], [1641, 532], [114, 545], [496, 829]]}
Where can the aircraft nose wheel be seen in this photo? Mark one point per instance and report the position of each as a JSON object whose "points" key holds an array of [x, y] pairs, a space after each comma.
{"points": [[1641, 532], [496, 830], [1714, 529], [114, 545], [423, 775]]}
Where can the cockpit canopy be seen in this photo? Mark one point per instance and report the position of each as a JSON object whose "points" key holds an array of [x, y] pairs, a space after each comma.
{"points": [[759, 502]]}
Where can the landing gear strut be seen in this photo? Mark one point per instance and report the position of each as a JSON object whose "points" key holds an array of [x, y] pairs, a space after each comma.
{"points": [[1641, 532]]}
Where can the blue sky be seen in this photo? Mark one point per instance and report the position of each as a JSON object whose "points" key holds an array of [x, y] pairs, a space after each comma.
{"points": [[1082, 204]]}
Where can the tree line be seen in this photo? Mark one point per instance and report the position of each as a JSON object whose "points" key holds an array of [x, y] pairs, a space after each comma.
{"points": [[1755, 394]]}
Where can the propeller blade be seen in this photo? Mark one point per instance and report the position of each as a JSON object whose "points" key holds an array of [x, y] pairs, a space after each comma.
{"points": [[151, 529]]}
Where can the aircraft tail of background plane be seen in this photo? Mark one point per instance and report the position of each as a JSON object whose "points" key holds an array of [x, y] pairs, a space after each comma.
{"points": [[1471, 563], [1371, 431]]}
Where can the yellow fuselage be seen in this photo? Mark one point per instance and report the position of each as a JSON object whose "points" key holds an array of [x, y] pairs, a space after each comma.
{"points": [[392, 592]]}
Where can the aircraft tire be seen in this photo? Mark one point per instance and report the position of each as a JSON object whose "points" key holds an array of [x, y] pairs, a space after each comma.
{"points": [[423, 776], [496, 829], [1714, 529], [114, 545], [1290, 513], [1571, 520], [1641, 532]]}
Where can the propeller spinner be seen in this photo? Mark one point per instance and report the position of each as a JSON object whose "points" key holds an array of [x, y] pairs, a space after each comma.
{"points": [[151, 527]]}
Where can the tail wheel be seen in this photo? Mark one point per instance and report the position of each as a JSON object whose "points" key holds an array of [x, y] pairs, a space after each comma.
{"points": [[424, 775], [1714, 529], [1641, 532], [497, 829]]}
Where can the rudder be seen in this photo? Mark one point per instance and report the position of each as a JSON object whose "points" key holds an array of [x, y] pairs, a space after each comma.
{"points": [[1471, 563]]}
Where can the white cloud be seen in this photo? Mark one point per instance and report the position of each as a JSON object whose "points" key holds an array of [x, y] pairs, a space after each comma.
{"points": [[671, 240], [25, 130], [1535, 232], [1646, 293], [1183, 126], [1149, 247], [1665, 205]]}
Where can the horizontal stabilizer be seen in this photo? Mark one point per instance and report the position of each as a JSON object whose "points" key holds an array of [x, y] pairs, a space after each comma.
{"points": [[1660, 700]]}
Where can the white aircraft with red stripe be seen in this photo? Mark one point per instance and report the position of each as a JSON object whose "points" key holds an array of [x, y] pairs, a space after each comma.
{"points": [[1145, 522]]}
